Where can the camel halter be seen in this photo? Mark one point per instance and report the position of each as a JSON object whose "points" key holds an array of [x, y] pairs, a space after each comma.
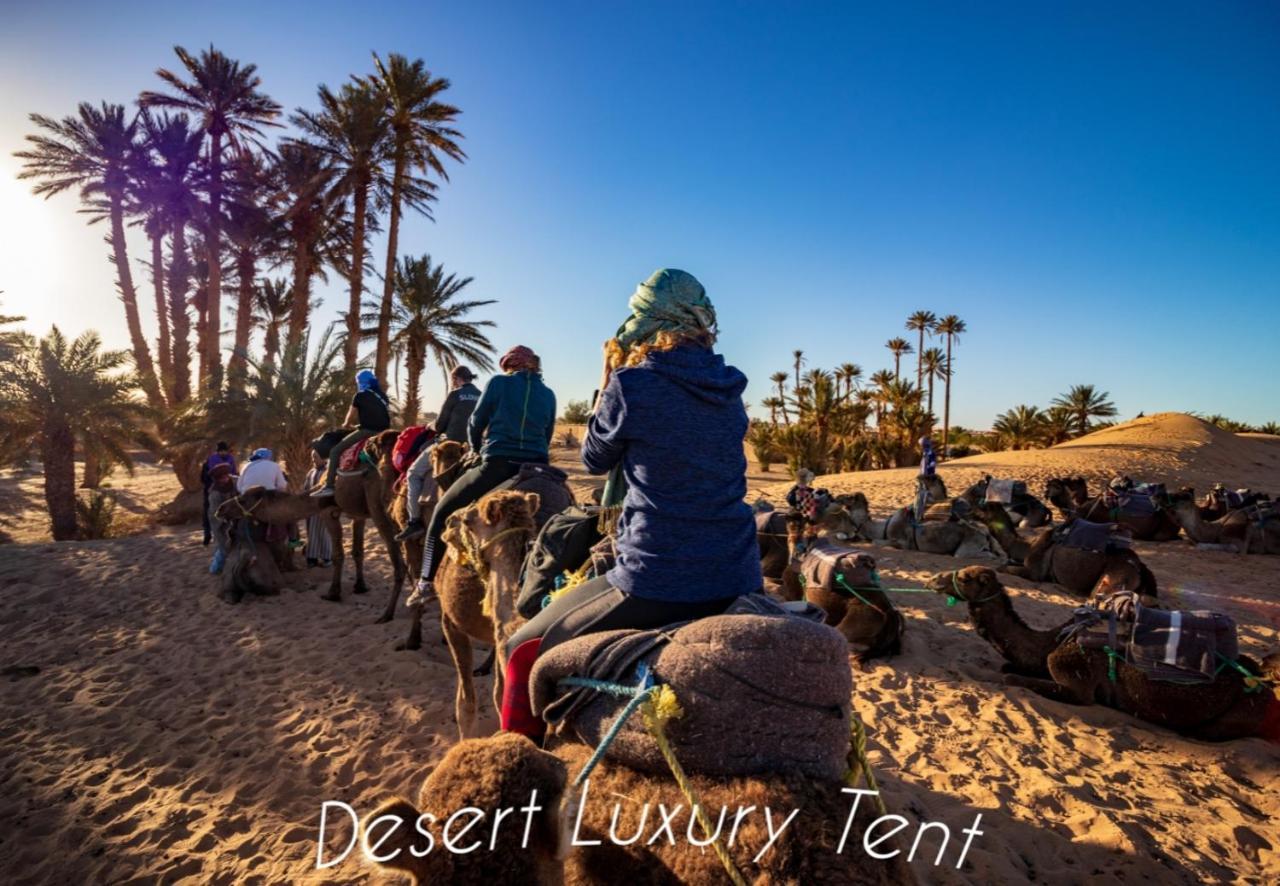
{"points": [[473, 549]]}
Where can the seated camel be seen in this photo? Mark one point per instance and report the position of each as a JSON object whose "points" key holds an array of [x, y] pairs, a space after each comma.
{"points": [[1027, 511], [1221, 710], [1219, 501], [569, 837], [1067, 493], [864, 615], [1249, 530], [845, 519], [254, 562], [1154, 524], [1050, 557]]}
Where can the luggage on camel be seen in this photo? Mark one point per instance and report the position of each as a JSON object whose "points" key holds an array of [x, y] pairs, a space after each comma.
{"points": [[551, 484], [759, 694], [562, 546], [1181, 645], [409, 444], [1087, 536], [1140, 500]]}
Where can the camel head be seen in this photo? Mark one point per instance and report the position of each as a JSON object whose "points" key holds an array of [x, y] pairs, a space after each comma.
{"points": [[937, 489], [446, 461], [494, 533], [972, 584], [1125, 571], [863, 572], [841, 523], [502, 771], [269, 506], [994, 516]]}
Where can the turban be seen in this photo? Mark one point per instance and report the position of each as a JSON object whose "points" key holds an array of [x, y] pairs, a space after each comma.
{"points": [[518, 359], [669, 301]]}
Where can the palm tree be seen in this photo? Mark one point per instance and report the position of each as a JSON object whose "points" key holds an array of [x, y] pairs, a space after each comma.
{"points": [[271, 304], [1271, 427], [254, 234], [935, 367], [1058, 426], [773, 404], [798, 357], [305, 395], [848, 374], [352, 129], [421, 134], [429, 321], [166, 179], [1085, 402], [311, 214], [880, 381], [55, 391], [921, 322], [224, 96], [1020, 428], [12, 341], [898, 347], [93, 151], [951, 327], [780, 379]]}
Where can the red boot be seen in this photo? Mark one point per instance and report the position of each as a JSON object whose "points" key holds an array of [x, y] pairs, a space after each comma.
{"points": [[517, 708]]}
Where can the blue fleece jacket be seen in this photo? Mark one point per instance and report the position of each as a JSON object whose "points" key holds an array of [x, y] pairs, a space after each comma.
{"points": [[515, 418], [676, 424]]}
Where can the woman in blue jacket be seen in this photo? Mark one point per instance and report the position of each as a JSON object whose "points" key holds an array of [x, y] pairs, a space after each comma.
{"points": [[511, 425], [671, 417]]}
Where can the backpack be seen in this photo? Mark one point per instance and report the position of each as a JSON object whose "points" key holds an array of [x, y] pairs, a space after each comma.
{"points": [[409, 444], [563, 545]]}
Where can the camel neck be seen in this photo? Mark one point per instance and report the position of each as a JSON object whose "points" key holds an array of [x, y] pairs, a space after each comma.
{"points": [[1000, 625]]}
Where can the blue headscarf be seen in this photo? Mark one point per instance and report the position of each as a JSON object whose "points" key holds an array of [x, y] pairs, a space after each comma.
{"points": [[367, 381], [259, 454]]}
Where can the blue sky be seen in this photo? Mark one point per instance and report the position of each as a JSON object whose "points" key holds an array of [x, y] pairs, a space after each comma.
{"points": [[1094, 188]]}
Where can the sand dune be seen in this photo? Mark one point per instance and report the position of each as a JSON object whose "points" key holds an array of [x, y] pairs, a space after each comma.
{"points": [[168, 736]]}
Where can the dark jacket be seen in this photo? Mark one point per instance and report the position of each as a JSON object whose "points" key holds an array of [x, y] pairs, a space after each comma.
{"points": [[514, 419], [676, 423], [456, 412]]}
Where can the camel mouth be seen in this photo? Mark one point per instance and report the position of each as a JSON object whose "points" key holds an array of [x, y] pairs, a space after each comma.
{"points": [[941, 583]]}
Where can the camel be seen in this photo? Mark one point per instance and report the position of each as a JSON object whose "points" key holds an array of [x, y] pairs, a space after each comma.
{"points": [[1159, 526], [1253, 530], [1218, 711], [575, 835], [478, 584], [867, 620], [1029, 512], [253, 563], [1080, 571], [844, 520], [960, 538], [446, 468], [1067, 494], [1219, 500], [363, 496]]}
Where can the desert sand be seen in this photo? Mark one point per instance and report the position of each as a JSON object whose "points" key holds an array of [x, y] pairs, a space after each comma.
{"points": [[152, 732]]}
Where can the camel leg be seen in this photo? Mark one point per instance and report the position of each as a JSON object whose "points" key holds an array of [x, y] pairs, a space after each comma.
{"points": [[465, 700], [414, 639], [333, 522], [387, 530], [357, 554]]}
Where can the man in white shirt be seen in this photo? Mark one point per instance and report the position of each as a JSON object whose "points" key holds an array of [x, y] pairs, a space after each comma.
{"points": [[262, 471]]}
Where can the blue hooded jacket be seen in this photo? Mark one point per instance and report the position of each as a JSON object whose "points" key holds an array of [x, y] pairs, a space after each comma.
{"points": [[676, 422], [515, 418]]}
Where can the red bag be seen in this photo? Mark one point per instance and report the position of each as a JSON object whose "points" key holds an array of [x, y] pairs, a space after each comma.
{"points": [[409, 444]]}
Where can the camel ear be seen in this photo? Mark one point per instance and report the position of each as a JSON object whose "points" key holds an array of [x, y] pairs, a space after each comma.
{"points": [[534, 501], [491, 509]]}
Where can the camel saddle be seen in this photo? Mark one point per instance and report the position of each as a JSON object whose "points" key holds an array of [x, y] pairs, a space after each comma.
{"points": [[1088, 536], [1178, 645], [823, 562], [1141, 500], [759, 693], [354, 460]]}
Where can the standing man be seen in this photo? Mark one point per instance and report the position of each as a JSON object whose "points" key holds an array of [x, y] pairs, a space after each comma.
{"points": [[928, 468], [221, 455], [451, 424]]}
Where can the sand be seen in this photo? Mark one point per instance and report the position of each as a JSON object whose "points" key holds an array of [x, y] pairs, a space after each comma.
{"points": [[169, 736]]}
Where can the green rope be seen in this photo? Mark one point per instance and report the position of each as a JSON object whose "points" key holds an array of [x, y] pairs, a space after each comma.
{"points": [[1112, 655], [1252, 682]]}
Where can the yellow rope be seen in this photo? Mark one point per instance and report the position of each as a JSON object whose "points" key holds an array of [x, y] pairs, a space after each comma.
{"points": [[858, 762], [656, 713]]}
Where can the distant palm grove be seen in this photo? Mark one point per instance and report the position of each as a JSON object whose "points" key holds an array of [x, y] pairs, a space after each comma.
{"points": [[238, 231]]}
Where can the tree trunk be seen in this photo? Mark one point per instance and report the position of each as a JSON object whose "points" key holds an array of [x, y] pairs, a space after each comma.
{"points": [[162, 313], [360, 201], [238, 365], [201, 301], [271, 346], [946, 405], [213, 292], [129, 295], [57, 452], [920, 363], [92, 470], [414, 365], [382, 353], [179, 319], [300, 301]]}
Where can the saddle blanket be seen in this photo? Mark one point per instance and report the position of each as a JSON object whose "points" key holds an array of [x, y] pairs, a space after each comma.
{"points": [[1087, 536]]}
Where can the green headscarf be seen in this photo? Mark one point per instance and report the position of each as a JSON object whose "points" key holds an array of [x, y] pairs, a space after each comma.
{"points": [[669, 301]]}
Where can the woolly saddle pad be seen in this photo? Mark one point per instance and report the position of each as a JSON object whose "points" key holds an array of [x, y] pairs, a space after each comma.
{"points": [[760, 694]]}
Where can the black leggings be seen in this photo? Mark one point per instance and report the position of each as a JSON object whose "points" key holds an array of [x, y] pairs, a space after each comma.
{"points": [[595, 606], [468, 489]]}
